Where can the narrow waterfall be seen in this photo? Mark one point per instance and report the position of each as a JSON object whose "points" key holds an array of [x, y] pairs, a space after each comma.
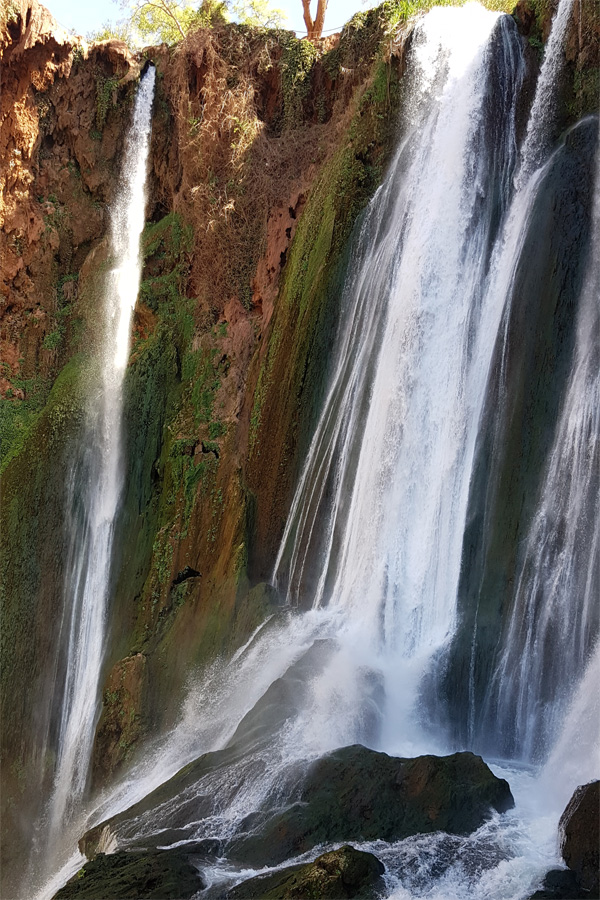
{"points": [[542, 119], [96, 477]]}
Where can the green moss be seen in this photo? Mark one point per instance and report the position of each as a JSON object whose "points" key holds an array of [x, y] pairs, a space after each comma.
{"points": [[343, 189], [17, 416], [586, 90], [106, 90], [296, 65], [172, 431]]}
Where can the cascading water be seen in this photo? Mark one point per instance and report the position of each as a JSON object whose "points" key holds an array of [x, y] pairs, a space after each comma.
{"points": [[556, 599], [96, 479], [395, 443], [375, 536], [542, 119], [523, 669]]}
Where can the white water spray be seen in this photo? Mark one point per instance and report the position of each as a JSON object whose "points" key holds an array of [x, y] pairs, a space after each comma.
{"points": [[97, 478]]}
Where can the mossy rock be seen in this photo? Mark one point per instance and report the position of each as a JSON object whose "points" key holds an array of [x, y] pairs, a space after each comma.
{"points": [[146, 875], [359, 794], [339, 874]]}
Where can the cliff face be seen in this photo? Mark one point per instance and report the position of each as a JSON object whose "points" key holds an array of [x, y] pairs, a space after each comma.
{"points": [[257, 139], [264, 151], [58, 147]]}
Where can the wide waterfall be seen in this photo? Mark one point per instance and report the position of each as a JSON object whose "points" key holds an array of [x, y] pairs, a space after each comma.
{"points": [[95, 482], [386, 635]]}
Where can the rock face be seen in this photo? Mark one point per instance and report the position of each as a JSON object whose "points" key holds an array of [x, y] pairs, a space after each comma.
{"points": [[342, 873], [580, 837], [358, 794], [154, 875]]}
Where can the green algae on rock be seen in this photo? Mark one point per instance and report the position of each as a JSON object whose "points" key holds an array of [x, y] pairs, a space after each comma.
{"points": [[359, 794], [135, 875], [339, 874]]}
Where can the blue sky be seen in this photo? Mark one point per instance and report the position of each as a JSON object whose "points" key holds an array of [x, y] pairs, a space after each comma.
{"points": [[83, 16]]}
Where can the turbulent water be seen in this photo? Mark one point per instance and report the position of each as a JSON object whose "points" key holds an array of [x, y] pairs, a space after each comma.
{"points": [[95, 482], [371, 558]]}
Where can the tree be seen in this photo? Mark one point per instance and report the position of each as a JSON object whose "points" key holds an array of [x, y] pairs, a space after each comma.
{"points": [[314, 27], [170, 20], [258, 13], [116, 30]]}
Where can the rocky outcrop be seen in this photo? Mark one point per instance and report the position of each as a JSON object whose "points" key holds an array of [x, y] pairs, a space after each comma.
{"points": [[358, 794], [152, 875], [120, 725], [352, 794], [339, 874], [579, 832], [579, 829]]}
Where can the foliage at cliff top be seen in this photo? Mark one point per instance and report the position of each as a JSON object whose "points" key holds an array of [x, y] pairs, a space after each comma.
{"points": [[168, 21]]}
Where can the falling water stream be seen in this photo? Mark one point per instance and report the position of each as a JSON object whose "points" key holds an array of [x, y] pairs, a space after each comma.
{"points": [[96, 478], [371, 556]]}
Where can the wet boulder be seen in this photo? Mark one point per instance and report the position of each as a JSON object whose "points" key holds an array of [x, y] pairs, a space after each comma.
{"points": [[559, 884], [342, 873], [579, 829], [135, 875], [356, 794]]}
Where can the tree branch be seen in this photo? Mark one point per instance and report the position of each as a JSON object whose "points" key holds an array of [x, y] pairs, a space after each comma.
{"points": [[307, 17], [314, 28]]}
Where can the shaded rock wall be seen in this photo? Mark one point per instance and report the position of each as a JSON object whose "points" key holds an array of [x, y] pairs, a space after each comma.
{"points": [[527, 382]]}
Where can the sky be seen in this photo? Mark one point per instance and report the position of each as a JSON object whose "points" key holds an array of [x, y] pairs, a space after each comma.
{"points": [[83, 16]]}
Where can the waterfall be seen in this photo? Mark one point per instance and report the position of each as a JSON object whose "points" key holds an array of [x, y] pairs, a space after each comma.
{"points": [[525, 662], [556, 597], [95, 482], [389, 467], [373, 553]]}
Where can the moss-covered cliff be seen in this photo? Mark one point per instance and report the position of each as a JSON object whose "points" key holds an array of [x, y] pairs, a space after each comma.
{"points": [[256, 135]]}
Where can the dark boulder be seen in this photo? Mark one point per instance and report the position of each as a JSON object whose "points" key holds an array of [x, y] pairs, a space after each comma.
{"points": [[135, 875], [559, 884], [579, 829], [361, 795], [339, 874]]}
